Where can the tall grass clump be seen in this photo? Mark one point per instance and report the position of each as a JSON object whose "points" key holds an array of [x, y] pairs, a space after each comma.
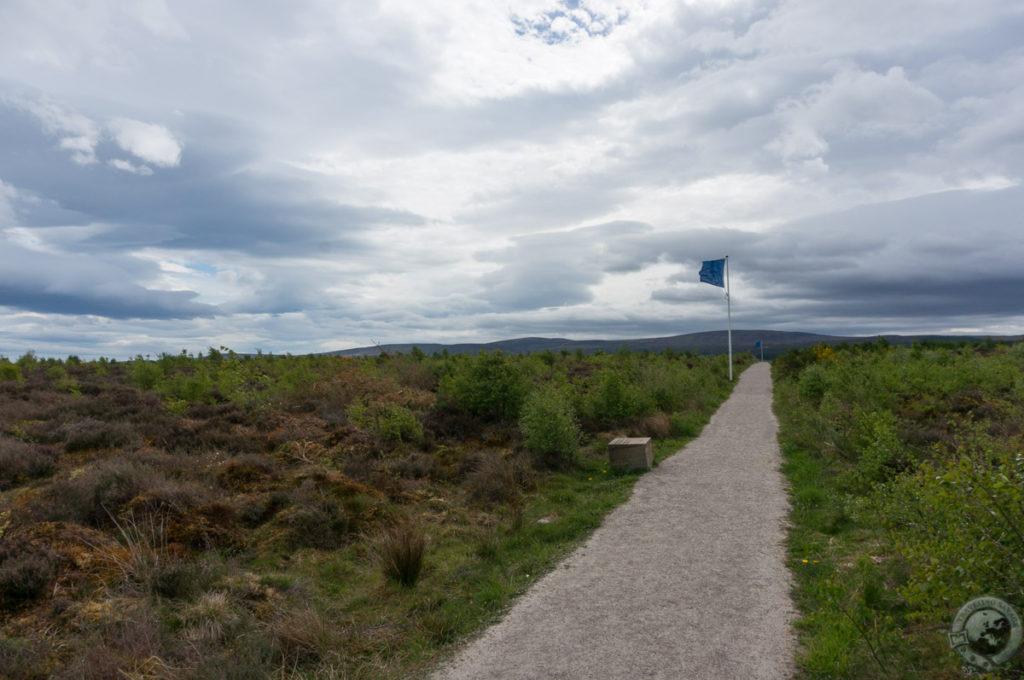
{"points": [[400, 551]]}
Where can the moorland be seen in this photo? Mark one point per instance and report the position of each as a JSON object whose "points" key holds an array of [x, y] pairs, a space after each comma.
{"points": [[227, 516]]}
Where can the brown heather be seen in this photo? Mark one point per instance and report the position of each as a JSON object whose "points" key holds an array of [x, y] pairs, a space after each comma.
{"points": [[278, 517]]}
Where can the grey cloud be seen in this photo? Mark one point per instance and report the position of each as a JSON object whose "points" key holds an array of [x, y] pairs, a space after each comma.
{"points": [[75, 284], [555, 269], [954, 254], [210, 201], [539, 208]]}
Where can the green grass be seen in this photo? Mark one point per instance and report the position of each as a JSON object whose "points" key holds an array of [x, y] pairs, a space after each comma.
{"points": [[870, 601], [470, 575]]}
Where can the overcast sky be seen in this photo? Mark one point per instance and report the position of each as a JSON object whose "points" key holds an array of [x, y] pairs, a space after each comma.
{"points": [[323, 174]]}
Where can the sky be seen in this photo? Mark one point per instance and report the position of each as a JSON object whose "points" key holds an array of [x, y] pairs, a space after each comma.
{"points": [[324, 174]]}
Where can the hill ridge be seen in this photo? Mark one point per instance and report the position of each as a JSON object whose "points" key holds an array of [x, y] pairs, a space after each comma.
{"points": [[701, 342]]}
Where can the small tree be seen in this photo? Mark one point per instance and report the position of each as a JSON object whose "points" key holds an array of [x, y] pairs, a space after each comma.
{"points": [[491, 386], [549, 426]]}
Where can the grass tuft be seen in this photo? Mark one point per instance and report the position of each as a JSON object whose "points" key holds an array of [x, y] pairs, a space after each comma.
{"points": [[400, 553]]}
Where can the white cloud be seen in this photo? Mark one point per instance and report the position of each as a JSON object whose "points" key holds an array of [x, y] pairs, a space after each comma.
{"points": [[128, 166], [151, 142], [81, 135], [854, 104], [861, 103], [77, 133], [486, 51]]}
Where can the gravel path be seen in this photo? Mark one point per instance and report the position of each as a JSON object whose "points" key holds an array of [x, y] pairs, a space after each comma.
{"points": [[687, 579]]}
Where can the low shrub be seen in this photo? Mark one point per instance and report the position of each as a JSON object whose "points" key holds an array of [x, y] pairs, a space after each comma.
{"points": [[99, 493], [263, 507], [616, 396], [659, 425], [687, 424], [208, 526], [549, 427], [247, 472], [493, 479], [90, 433], [959, 524], [26, 570], [146, 374], [212, 428], [313, 519], [183, 579], [390, 422], [167, 497], [322, 524], [9, 371], [20, 461], [490, 386], [22, 659], [418, 466]]}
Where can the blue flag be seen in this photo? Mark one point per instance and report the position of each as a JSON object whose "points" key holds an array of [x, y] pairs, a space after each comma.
{"points": [[757, 344], [713, 272]]}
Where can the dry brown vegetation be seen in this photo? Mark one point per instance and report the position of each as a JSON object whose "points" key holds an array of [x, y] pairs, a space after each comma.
{"points": [[224, 517]]}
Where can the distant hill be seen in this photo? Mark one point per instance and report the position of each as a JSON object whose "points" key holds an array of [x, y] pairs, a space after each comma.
{"points": [[709, 342]]}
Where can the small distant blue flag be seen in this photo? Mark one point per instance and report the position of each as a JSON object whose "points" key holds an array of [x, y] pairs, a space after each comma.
{"points": [[713, 272], [757, 344]]}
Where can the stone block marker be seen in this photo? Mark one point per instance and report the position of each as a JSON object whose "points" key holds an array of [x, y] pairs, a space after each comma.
{"points": [[630, 453]]}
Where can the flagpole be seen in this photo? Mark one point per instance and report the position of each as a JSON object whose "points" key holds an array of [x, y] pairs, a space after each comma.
{"points": [[728, 306]]}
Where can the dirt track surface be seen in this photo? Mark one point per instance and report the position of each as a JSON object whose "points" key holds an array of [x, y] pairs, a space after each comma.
{"points": [[685, 580]]}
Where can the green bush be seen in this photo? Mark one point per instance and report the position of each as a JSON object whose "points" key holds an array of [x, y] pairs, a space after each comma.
{"points": [[9, 371], [146, 374], [549, 426], [65, 383], [881, 453], [390, 422], [491, 386], [616, 397], [813, 383], [28, 360], [959, 523], [908, 498], [197, 387]]}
